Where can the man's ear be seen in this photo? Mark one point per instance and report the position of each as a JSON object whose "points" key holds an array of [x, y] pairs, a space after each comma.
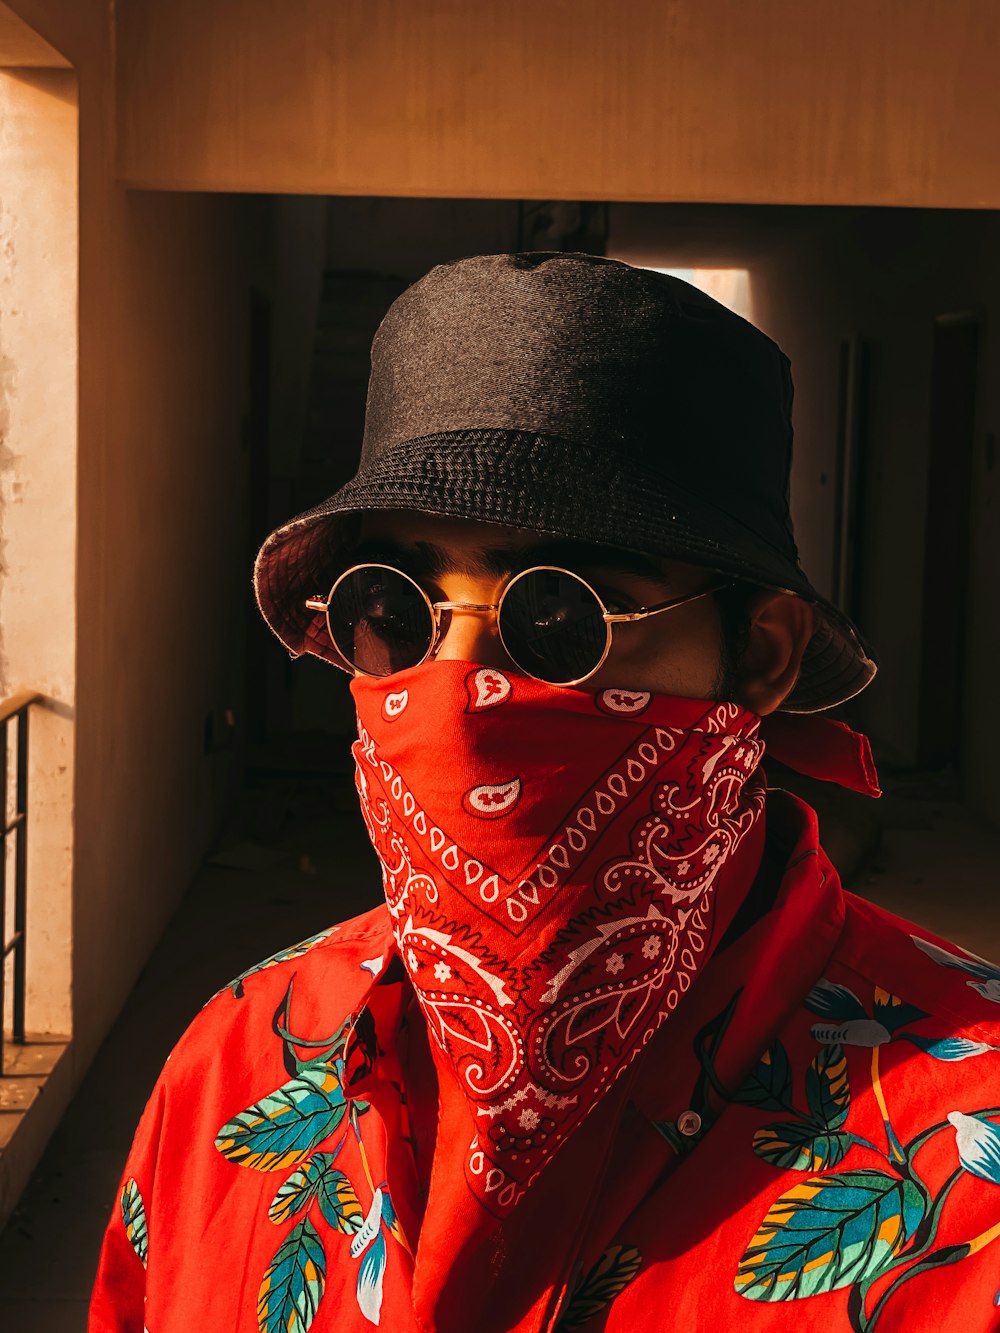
{"points": [[781, 626]]}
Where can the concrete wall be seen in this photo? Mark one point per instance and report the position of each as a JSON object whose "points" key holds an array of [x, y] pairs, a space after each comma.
{"points": [[162, 586], [38, 474], [869, 102], [23, 48]]}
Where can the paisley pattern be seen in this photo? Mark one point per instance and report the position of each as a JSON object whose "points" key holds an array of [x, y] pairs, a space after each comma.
{"points": [[492, 800], [538, 1015], [486, 688]]}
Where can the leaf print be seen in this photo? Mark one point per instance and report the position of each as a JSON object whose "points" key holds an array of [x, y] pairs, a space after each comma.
{"points": [[134, 1219], [835, 1002], [796, 1145], [328, 1049], [978, 1143], [306, 1183], [339, 1203], [293, 951], [827, 1088], [770, 1084], [949, 1048], [612, 1273], [390, 1221], [284, 1127], [989, 985], [294, 1195], [828, 1232], [894, 1013], [370, 1276], [292, 1286]]}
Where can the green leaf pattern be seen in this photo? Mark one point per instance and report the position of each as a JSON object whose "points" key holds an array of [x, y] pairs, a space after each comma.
{"points": [[769, 1086], [134, 1219], [609, 1276], [292, 1286], [828, 1091], [339, 1204], [828, 1232], [283, 1128], [304, 1125], [794, 1146], [838, 1230], [833, 1230], [282, 956], [296, 1192]]}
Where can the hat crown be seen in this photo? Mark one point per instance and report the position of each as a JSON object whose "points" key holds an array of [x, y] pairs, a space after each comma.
{"points": [[596, 352]]}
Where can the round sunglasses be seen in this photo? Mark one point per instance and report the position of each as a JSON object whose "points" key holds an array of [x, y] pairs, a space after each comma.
{"points": [[552, 623]]}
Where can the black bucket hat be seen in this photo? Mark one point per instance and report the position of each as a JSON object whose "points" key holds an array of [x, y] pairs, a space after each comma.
{"points": [[580, 397]]}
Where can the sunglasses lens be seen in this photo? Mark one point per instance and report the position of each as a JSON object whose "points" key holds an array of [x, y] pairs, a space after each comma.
{"points": [[380, 621], [553, 626]]}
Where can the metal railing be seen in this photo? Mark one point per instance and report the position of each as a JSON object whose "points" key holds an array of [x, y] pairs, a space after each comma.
{"points": [[17, 706]]}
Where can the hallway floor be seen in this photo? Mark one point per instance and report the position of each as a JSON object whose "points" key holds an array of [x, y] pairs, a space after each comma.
{"points": [[916, 852]]}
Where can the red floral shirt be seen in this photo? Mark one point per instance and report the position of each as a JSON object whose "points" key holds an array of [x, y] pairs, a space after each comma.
{"points": [[811, 1141]]}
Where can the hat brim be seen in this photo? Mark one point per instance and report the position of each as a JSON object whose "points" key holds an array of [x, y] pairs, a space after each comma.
{"points": [[506, 478]]}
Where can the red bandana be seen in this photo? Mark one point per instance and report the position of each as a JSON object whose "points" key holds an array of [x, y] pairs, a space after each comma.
{"points": [[558, 866]]}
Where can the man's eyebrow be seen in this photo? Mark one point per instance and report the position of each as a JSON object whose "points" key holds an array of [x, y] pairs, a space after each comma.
{"points": [[591, 556], [431, 561]]}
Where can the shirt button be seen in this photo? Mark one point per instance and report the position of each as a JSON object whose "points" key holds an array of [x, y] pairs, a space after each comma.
{"points": [[689, 1123]]}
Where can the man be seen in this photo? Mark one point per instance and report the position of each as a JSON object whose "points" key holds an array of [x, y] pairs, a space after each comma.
{"points": [[619, 1052]]}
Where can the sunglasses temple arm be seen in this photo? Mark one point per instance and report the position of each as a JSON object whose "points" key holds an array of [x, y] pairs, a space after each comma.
{"points": [[625, 617], [322, 604]]}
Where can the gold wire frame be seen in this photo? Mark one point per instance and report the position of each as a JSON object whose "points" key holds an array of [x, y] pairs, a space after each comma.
{"points": [[435, 608]]}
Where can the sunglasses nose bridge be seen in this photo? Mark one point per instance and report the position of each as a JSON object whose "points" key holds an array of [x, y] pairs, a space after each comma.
{"points": [[469, 632], [465, 606], [443, 613]]}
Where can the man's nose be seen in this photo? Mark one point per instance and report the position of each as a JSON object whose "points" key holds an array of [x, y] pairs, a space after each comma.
{"points": [[471, 636]]}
